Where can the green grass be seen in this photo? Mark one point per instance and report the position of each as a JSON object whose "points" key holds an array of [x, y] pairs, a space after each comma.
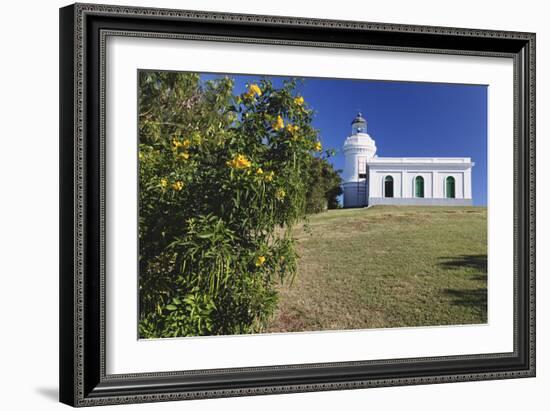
{"points": [[387, 266]]}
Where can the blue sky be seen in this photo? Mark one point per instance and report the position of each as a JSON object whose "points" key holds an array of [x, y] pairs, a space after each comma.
{"points": [[406, 119]]}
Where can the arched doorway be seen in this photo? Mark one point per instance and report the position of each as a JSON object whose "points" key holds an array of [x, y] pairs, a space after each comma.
{"points": [[450, 187], [388, 186], [419, 186]]}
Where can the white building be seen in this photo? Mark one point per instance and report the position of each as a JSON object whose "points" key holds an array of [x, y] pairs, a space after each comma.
{"points": [[369, 179]]}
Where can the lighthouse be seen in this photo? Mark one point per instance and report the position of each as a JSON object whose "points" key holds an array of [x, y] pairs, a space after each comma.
{"points": [[372, 180], [359, 148]]}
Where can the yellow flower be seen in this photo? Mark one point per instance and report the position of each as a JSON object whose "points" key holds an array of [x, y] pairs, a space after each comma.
{"points": [[184, 155], [196, 139], [176, 143], [318, 146], [292, 128], [163, 182], [280, 194], [239, 161], [260, 261], [177, 186], [253, 90], [186, 143], [299, 100], [279, 124], [259, 171], [269, 176]]}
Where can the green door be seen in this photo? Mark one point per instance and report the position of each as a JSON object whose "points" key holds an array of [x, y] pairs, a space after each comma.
{"points": [[450, 187], [419, 187]]}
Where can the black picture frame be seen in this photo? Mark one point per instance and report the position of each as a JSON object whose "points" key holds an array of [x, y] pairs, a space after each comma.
{"points": [[83, 381]]}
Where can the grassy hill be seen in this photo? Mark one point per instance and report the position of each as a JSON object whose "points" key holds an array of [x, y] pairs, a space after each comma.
{"points": [[388, 266]]}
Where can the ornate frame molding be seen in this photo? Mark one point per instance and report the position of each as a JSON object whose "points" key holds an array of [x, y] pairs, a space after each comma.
{"points": [[82, 305]]}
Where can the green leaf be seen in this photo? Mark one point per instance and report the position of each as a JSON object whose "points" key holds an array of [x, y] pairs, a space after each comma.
{"points": [[205, 235]]}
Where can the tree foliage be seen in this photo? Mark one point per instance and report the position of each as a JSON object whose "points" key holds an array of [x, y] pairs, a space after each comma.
{"points": [[222, 184], [324, 186]]}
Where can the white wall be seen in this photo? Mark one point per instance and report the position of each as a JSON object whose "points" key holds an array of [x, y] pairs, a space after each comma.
{"points": [[29, 207], [461, 181], [376, 180], [434, 182]]}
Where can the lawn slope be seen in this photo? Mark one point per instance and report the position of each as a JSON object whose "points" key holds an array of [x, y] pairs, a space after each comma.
{"points": [[388, 266]]}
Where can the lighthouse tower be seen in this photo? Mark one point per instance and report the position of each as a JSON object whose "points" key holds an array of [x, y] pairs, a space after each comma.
{"points": [[359, 148]]}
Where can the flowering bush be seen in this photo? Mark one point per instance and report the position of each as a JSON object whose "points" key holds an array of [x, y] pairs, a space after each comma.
{"points": [[222, 184]]}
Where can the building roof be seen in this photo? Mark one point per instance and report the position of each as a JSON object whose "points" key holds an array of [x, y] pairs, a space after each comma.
{"points": [[359, 119], [429, 162]]}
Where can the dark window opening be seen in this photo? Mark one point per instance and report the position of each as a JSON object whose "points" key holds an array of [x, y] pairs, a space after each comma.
{"points": [[450, 187], [388, 186]]}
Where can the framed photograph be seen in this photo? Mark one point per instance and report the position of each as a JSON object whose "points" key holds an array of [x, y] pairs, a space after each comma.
{"points": [[261, 204]]}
